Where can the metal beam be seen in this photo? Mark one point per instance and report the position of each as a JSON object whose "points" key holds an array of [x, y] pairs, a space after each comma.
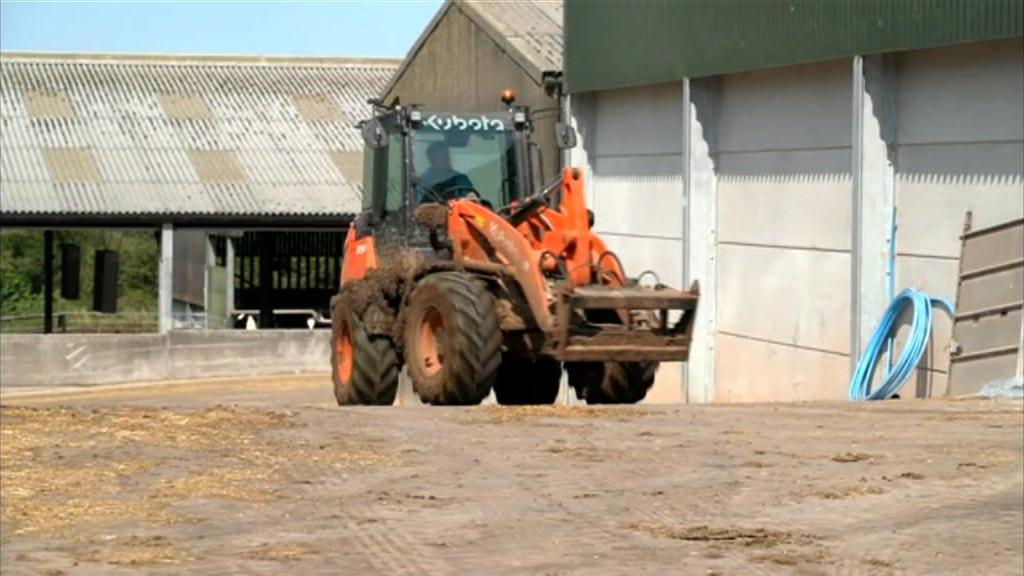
{"points": [[209, 262], [266, 248], [48, 282], [229, 283], [165, 296]]}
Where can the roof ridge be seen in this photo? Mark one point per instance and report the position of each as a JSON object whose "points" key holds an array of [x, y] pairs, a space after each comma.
{"points": [[177, 59], [481, 7]]}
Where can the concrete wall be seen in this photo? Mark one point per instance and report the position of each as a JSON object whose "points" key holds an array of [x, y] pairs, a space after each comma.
{"points": [[635, 189], [783, 278], [959, 147], [88, 359], [775, 189]]}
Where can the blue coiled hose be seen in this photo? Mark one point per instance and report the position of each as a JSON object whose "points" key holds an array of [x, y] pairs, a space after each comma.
{"points": [[920, 331]]}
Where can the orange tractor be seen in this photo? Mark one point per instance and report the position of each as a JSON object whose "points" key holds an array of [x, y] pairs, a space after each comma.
{"points": [[467, 269]]}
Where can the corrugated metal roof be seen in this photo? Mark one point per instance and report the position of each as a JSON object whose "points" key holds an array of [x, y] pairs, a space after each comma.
{"points": [[534, 27], [530, 31], [216, 136]]}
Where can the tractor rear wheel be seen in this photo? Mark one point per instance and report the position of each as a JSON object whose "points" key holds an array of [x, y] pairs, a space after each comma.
{"points": [[364, 368], [452, 339], [612, 382], [528, 381]]}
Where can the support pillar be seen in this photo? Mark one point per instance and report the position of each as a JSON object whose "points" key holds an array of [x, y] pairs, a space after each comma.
{"points": [[48, 282], [209, 261], [165, 296], [700, 190], [229, 283], [873, 172], [266, 279]]}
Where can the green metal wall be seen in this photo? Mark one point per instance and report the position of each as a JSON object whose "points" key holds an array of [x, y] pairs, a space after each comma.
{"points": [[616, 43]]}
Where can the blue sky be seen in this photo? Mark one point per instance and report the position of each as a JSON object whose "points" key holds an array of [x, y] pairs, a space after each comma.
{"points": [[381, 28]]}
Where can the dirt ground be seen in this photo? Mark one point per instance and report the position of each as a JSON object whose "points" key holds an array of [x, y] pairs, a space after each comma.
{"points": [[265, 476]]}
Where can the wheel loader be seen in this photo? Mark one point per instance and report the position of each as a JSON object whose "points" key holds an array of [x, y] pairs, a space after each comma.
{"points": [[470, 270]]}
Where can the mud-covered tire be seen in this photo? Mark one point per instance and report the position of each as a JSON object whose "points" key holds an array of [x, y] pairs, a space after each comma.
{"points": [[370, 374], [523, 381], [452, 339], [612, 382]]}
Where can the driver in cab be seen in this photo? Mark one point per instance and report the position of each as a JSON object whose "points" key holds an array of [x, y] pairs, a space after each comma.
{"points": [[440, 181]]}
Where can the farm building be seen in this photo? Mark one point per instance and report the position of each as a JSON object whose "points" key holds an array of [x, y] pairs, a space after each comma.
{"points": [[472, 50], [233, 161], [793, 157]]}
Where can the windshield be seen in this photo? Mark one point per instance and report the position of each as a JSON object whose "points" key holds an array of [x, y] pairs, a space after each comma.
{"points": [[465, 157]]}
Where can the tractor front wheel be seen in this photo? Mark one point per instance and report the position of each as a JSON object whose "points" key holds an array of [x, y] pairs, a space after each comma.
{"points": [[364, 367], [452, 339]]}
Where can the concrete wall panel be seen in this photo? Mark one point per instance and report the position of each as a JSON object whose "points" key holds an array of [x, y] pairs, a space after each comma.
{"points": [[798, 199], [637, 177], [965, 93], [936, 276], [638, 121], [639, 195], [797, 297], [960, 142], [783, 267], [756, 371], [796, 107], [932, 206]]}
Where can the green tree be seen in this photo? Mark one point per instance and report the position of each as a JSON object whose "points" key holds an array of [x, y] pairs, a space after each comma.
{"points": [[21, 269]]}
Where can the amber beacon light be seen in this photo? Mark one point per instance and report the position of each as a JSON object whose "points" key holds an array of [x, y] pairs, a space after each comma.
{"points": [[508, 96]]}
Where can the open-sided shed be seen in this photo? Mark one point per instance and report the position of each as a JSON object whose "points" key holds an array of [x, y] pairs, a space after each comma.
{"points": [[192, 143]]}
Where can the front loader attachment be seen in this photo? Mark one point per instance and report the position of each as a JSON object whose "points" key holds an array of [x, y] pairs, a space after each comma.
{"points": [[624, 324]]}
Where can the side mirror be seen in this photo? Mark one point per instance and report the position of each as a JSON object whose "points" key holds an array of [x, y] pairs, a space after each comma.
{"points": [[373, 134], [565, 136]]}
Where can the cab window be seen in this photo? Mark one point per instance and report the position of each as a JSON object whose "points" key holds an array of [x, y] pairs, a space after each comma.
{"points": [[395, 180]]}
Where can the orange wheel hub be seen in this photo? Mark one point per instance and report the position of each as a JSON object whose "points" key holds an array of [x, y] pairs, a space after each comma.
{"points": [[344, 344], [432, 341]]}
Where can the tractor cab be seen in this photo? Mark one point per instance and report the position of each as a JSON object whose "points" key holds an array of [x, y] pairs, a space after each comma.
{"points": [[414, 157]]}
